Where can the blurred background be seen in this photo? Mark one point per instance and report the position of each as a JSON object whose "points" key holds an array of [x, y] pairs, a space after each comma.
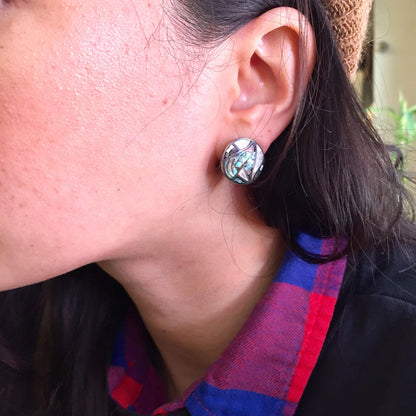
{"points": [[386, 80]]}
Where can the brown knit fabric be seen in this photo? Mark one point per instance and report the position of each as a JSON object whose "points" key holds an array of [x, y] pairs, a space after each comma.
{"points": [[349, 19]]}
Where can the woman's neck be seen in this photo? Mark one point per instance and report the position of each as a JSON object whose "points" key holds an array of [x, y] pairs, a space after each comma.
{"points": [[195, 293]]}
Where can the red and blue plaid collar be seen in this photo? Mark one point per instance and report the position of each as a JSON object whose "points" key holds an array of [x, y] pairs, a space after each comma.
{"points": [[265, 369]]}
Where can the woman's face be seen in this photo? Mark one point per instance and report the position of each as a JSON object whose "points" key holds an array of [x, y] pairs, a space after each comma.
{"points": [[104, 132]]}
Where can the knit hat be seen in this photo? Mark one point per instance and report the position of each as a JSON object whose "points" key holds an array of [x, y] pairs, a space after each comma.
{"points": [[349, 20]]}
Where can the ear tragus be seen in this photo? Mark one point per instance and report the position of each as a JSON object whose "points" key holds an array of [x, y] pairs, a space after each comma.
{"points": [[269, 78], [255, 85]]}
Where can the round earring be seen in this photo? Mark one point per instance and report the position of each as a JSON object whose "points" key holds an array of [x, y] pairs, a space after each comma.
{"points": [[242, 161]]}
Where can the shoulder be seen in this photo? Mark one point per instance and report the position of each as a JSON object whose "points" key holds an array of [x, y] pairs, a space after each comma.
{"points": [[389, 272], [380, 288], [368, 362]]}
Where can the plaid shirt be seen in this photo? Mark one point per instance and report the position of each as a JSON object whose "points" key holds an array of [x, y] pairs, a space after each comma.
{"points": [[265, 369]]}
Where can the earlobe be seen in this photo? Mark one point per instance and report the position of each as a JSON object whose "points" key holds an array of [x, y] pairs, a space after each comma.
{"points": [[275, 55]]}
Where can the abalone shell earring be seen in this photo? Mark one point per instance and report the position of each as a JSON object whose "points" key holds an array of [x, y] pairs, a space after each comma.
{"points": [[242, 161]]}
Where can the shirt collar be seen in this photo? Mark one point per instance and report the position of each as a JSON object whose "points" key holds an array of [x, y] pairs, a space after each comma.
{"points": [[266, 367]]}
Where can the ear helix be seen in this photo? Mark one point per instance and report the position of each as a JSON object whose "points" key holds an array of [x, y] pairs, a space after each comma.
{"points": [[242, 161]]}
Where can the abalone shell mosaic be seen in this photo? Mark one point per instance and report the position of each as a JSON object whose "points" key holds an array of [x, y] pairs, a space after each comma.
{"points": [[242, 161]]}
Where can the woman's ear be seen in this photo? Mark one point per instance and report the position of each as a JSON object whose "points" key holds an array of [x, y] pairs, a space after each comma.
{"points": [[272, 59]]}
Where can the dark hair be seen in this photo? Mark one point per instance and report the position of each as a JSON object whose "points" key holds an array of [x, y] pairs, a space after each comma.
{"points": [[328, 173]]}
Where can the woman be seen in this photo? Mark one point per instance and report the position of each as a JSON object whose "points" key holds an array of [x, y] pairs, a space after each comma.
{"points": [[122, 125]]}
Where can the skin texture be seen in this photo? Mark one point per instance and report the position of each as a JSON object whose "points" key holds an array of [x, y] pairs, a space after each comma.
{"points": [[81, 151], [112, 128]]}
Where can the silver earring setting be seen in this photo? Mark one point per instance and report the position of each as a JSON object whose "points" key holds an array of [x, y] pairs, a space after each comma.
{"points": [[242, 161]]}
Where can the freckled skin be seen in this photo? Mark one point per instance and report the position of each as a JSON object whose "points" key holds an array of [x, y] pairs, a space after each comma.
{"points": [[86, 147]]}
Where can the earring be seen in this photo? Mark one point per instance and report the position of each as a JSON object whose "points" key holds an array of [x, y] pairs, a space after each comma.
{"points": [[242, 161]]}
